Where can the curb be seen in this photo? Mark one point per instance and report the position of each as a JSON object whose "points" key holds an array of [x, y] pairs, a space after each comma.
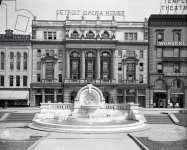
{"points": [[138, 142]]}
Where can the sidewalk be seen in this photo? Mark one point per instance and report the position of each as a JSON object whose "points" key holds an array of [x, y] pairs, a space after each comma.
{"points": [[66, 141]]}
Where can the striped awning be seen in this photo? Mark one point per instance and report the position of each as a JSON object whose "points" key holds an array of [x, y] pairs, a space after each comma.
{"points": [[14, 95]]}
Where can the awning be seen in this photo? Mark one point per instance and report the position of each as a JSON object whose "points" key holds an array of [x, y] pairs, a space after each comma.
{"points": [[14, 95]]}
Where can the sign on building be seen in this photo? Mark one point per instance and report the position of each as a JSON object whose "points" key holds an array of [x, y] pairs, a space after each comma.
{"points": [[173, 7]]}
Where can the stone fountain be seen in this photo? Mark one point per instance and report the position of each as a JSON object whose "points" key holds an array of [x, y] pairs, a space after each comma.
{"points": [[88, 114]]}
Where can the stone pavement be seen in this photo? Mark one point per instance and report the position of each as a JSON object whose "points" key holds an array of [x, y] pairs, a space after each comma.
{"points": [[163, 132], [66, 141]]}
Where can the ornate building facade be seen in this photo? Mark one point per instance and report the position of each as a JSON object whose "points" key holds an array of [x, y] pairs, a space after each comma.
{"points": [[15, 72], [69, 54], [168, 60]]}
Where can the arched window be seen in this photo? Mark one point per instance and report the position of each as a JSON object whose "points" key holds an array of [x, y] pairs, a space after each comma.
{"points": [[11, 60], [90, 65], [74, 34], [2, 60], [177, 83], [105, 35], [75, 65], [105, 66], [159, 84], [90, 35], [25, 59], [18, 61]]}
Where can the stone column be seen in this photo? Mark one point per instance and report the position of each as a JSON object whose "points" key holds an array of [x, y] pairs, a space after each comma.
{"points": [[82, 64], [43, 95], [169, 91], [185, 97], [43, 70], [136, 98], [114, 71], [55, 96], [67, 64], [98, 65]]}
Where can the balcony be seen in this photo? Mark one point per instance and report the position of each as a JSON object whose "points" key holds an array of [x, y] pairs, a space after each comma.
{"points": [[173, 74], [174, 59]]}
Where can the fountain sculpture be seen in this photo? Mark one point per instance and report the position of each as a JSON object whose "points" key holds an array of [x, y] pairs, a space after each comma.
{"points": [[88, 114]]}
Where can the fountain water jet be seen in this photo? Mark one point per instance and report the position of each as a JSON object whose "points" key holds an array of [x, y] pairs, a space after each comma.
{"points": [[88, 114]]}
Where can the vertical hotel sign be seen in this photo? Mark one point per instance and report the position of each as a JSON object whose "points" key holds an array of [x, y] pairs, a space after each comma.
{"points": [[173, 7]]}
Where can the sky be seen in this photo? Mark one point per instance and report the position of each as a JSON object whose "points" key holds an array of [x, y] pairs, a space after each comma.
{"points": [[20, 20]]}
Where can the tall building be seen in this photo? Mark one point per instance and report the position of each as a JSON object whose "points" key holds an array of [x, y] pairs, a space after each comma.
{"points": [[168, 60], [15, 71], [69, 54]]}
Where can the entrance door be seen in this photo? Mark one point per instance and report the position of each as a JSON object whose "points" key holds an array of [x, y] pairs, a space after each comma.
{"points": [[160, 100], [38, 100]]}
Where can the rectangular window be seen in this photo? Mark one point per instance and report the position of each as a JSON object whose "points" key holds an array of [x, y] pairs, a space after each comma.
{"points": [[120, 53], [60, 78], [176, 52], [159, 52], [131, 36], [176, 68], [141, 78], [49, 35], [11, 80], [160, 36], [38, 78], [60, 66], [2, 80], [135, 36], [24, 80], [17, 80], [2, 60], [176, 35], [11, 61], [159, 68], [39, 52], [60, 53], [141, 67], [119, 66], [141, 53], [38, 65]]}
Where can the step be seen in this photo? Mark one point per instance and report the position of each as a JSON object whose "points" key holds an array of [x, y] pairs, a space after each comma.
{"points": [[158, 119]]}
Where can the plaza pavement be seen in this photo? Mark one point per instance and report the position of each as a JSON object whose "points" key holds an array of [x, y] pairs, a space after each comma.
{"points": [[67, 141]]}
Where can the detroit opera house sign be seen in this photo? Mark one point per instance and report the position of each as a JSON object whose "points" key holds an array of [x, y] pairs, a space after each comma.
{"points": [[89, 13]]}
